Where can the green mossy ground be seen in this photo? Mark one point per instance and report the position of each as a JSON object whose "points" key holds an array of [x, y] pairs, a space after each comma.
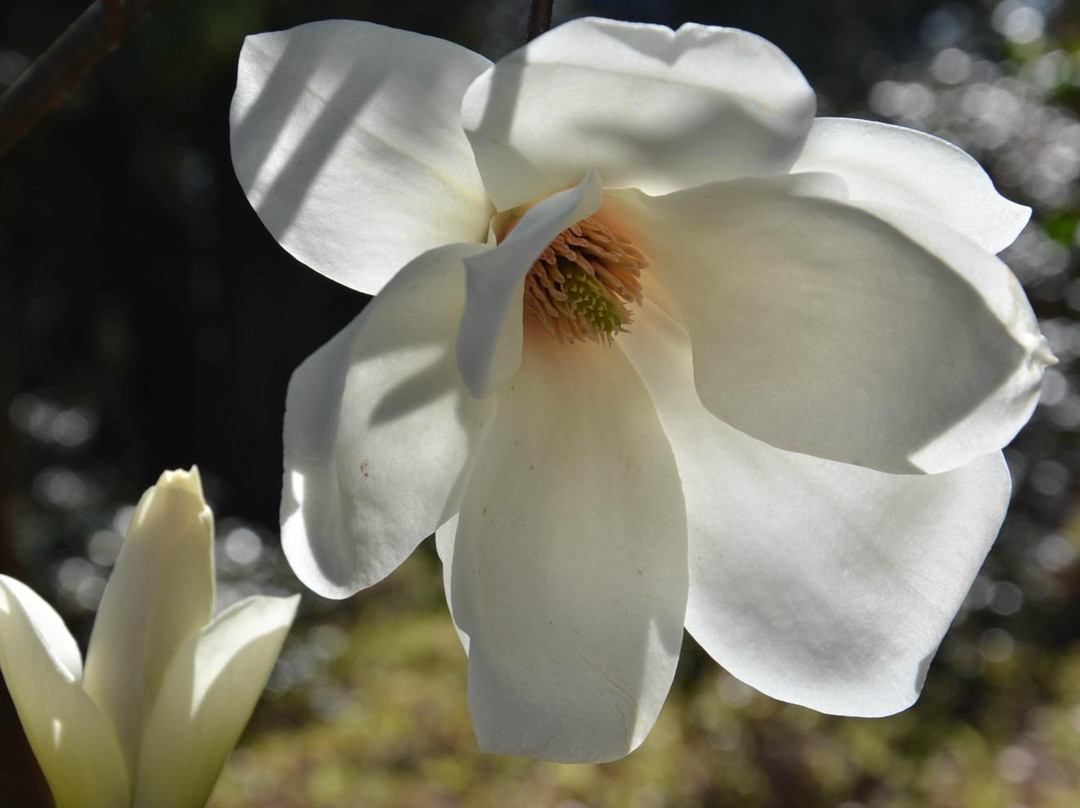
{"points": [[386, 724]]}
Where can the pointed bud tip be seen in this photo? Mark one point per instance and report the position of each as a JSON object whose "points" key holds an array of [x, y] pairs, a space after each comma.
{"points": [[290, 604], [182, 480]]}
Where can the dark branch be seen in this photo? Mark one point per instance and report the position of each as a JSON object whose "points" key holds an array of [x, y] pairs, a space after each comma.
{"points": [[52, 76], [539, 18]]}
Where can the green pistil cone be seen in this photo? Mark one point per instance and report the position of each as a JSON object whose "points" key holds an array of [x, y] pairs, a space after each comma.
{"points": [[590, 300]]}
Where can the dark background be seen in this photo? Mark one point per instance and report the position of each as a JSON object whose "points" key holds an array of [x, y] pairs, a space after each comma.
{"points": [[148, 321], [136, 278]]}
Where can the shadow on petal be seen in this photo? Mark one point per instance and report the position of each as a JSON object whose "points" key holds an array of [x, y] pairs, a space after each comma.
{"points": [[380, 432], [207, 696]]}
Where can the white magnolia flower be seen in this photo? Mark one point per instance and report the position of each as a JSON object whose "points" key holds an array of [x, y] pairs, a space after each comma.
{"points": [[166, 689], [651, 347]]}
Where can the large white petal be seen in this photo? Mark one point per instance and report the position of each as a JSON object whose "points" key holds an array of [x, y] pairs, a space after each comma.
{"points": [[816, 582], [347, 139], [160, 593], [490, 339], [380, 431], [206, 699], [644, 105], [73, 742], [820, 328], [569, 563], [444, 546], [891, 164]]}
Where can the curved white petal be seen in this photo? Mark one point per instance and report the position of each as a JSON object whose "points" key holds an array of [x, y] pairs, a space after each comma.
{"points": [[569, 563], [820, 328], [891, 164], [489, 341], [644, 105], [206, 698], [819, 583], [49, 627], [73, 742], [995, 420], [160, 593], [444, 546], [380, 431], [347, 140]]}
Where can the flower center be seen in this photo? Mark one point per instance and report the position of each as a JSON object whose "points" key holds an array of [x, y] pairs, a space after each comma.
{"points": [[582, 285]]}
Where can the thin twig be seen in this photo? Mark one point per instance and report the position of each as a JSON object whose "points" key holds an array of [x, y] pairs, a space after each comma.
{"points": [[47, 82], [539, 18]]}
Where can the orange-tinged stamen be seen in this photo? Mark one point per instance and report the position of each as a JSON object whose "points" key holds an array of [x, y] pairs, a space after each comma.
{"points": [[582, 285]]}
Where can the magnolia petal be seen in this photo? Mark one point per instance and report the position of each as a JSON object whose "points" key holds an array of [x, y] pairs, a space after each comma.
{"points": [[490, 338], [207, 697], [820, 328], [444, 546], [160, 593], [996, 419], [646, 106], [839, 598], [73, 742], [380, 432], [569, 562], [347, 140], [49, 627], [891, 164]]}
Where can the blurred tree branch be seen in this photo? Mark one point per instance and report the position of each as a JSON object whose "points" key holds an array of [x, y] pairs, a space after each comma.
{"points": [[47, 82], [539, 18]]}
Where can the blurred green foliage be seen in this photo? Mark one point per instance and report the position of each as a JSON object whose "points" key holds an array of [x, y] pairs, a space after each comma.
{"points": [[393, 730]]}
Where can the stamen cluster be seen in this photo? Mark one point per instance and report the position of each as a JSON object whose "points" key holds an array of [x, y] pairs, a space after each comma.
{"points": [[581, 285]]}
